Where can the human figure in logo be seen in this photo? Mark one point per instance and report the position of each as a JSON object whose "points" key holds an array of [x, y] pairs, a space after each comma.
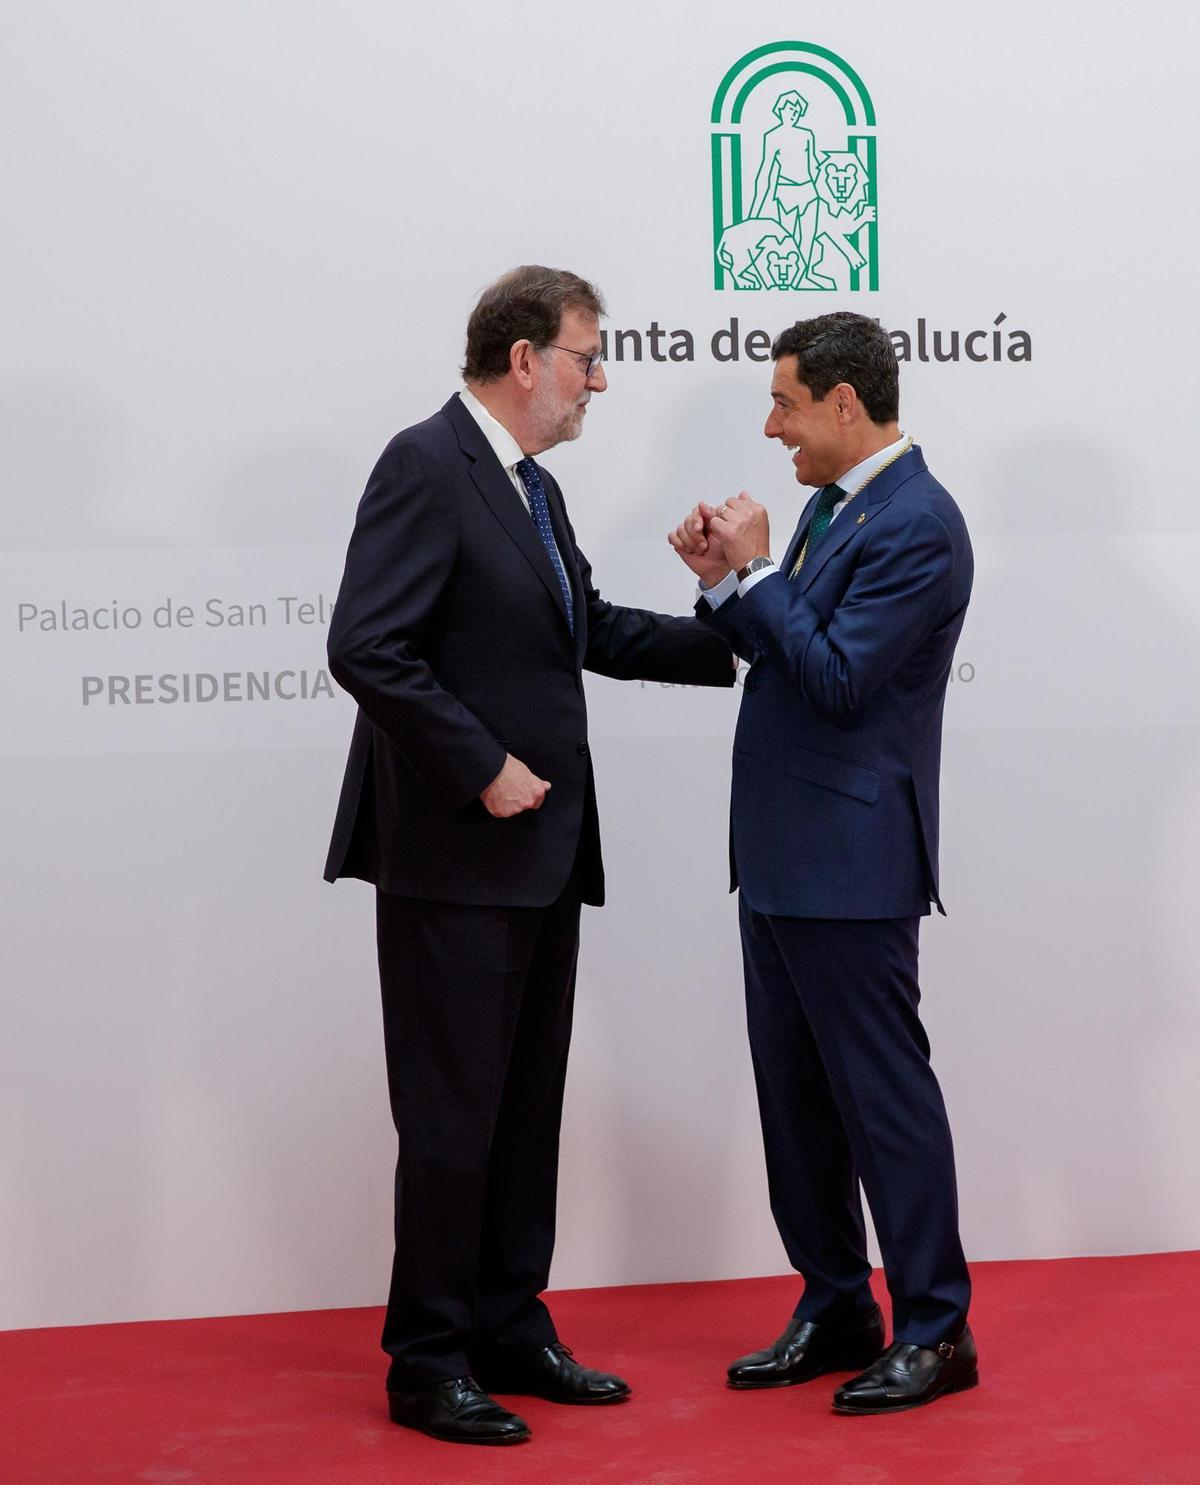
{"points": [[785, 183]]}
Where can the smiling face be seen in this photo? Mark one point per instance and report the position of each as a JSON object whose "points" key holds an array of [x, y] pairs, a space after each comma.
{"points": [[819, 435], [559, 401]]}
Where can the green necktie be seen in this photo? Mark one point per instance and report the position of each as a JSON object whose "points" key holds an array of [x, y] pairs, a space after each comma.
{"points": [[821, 518]]}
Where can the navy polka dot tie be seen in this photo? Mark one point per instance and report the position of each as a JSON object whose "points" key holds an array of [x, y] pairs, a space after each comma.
{"points": [[531, 478]]}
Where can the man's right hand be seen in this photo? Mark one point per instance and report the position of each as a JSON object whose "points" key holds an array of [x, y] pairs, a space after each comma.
{"points": [[514, 790]]}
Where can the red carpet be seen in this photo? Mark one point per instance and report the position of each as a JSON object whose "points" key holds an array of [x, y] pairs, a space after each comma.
{"points": [[1088, 1374]]}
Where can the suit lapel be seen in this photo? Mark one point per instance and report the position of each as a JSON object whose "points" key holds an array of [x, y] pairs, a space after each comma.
{"points": [[859, 514], [492, 482], [793, 550], [844, 529]]}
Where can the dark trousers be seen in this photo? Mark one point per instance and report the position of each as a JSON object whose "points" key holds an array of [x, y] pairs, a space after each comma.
{"points": [[847, 1096], [477, 1021]]}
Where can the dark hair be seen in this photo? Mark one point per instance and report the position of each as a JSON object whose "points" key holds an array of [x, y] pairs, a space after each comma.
{"points": [[845, 347], [525, 303]]}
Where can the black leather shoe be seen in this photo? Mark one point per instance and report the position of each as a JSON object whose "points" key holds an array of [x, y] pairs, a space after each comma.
{"points": [[910, 1376], [459, 1412], [553, 1373], [809, 1349]]}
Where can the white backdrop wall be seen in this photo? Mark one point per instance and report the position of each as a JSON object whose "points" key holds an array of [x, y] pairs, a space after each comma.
{"points": [[240, 246]]}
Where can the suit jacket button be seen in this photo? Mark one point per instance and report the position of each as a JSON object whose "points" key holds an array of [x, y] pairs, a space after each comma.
{"points": [[581, 748]]}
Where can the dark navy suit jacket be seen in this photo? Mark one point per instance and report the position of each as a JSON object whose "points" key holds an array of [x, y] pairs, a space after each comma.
{"points": [[834, 809], [450, 631]]}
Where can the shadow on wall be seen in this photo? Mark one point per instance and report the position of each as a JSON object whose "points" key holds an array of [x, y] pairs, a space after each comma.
{"points": [[1074, 482], [1068, 995], [292, 494], [82, 481], [63, 467], [193, 1116]]}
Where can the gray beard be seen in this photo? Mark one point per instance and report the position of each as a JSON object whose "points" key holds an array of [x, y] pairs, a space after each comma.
{"points": [[552, 425]]}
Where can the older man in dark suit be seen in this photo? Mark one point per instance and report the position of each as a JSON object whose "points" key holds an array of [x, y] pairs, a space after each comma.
{"points": [[465, 619], [835, 847]]}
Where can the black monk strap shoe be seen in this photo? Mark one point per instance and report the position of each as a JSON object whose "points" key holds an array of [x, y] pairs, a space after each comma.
{"points": [[809, 1349], [910, 1376], [553, 1373], [459, 1412]]}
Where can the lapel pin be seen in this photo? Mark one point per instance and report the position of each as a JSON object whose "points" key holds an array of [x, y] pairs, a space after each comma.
{"points": [[862, 518]]}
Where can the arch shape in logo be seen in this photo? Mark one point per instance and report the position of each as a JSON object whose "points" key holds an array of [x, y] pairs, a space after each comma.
{"points": [[793, 174]]}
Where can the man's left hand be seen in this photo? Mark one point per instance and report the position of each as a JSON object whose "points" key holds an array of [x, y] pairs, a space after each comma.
{"points": [[698, 547], [744, 530]]}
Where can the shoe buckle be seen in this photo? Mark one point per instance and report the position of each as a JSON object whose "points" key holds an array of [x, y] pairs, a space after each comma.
{"points": [[945, 1350]]}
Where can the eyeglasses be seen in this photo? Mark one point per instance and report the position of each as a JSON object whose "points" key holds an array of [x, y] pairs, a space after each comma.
{"points": [[593, 362]]}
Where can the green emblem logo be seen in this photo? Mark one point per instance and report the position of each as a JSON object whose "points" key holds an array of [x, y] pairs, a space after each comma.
{"points": [[793, 173]]}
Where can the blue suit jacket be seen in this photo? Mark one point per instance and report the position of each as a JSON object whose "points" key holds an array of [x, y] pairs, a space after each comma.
{"points": [[834, 810]]}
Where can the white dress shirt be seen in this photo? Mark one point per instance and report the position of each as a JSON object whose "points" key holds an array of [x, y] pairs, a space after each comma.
{"points": [[504, 445], [852, 482]]}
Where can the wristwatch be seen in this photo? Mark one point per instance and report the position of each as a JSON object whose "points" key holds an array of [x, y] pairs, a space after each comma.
{"points": [[755, 564]]}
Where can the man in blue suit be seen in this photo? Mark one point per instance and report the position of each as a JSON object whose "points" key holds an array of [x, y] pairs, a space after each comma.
{"points": [[834, 845]]}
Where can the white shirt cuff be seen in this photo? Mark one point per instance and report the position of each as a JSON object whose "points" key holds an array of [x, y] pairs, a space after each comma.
{"points": [[755, 577], [719, 592]]}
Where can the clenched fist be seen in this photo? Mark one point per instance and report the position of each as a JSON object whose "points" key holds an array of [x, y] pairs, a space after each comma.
{"points": [[743, 529], [698, 547], [514, 790]]}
